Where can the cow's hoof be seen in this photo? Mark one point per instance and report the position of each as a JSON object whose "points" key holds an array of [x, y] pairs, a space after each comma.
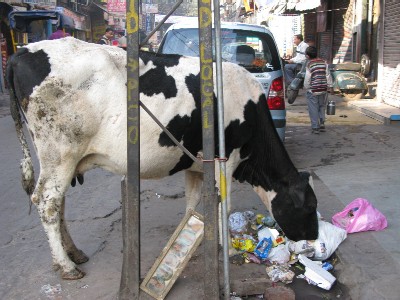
{"points": [[73, 275], [78, 257]]}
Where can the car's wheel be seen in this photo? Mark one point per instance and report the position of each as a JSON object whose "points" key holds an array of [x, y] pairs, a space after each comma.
{"points": [[291, 95]]}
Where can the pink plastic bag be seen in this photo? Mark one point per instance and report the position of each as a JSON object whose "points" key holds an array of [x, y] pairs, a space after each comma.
{"points": [[358, 216]]}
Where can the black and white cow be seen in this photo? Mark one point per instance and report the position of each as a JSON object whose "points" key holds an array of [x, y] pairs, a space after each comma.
{"points": [[73, 96]]}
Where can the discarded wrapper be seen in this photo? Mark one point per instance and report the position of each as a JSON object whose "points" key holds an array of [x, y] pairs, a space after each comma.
{"points": [[280, 273], [250, 257], [263, 247], [244, 244], [259, 218], [279, 240], [316, 273], [327, 266]]}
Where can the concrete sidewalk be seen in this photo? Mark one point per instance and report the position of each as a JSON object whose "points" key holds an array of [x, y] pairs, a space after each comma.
{"points": [[382, 112]]}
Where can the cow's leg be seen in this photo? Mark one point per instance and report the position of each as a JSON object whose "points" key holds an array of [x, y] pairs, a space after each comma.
{"points": [[193, 184], [48, 197], [76, 255]]}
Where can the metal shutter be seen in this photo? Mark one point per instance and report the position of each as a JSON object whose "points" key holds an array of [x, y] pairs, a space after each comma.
{"points": [[390, 81]]}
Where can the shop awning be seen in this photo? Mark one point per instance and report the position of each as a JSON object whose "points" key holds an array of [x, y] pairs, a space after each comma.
{"points": [[67, 22], [278, 7], [19, 20], [302, 5]]}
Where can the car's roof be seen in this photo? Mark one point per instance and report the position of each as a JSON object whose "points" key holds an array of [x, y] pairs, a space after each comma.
{"points": [[224, 25]]}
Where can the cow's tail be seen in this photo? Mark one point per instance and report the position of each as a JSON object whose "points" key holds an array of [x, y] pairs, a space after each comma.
{"points": [[28, 176]]}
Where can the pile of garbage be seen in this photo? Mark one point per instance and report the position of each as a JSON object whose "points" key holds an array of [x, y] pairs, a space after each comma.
{"points": [[257, 238]]}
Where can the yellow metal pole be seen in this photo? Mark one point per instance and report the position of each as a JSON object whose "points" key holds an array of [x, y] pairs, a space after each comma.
{"points": [[13, 41]]}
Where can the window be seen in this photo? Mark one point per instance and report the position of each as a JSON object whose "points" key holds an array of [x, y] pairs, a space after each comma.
{"points": [[256, 51]]}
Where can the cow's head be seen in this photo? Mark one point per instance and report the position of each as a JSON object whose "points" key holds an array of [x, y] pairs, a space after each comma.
{"points": [[294, 208]]}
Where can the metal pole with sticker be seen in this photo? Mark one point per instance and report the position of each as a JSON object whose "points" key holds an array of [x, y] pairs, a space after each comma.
{"points": [[211, 278], [130, 275]]}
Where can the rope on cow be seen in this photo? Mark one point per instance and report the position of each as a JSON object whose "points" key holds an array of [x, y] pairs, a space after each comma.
{"points": [[219, 159]]}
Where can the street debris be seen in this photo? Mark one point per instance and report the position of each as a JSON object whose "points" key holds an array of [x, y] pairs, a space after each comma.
{"points": [[279, 254], [329, 238], [237, 223], [280, 273], [258, 239], [316, 274], [358, 216], [263, 248], [51, 291]]}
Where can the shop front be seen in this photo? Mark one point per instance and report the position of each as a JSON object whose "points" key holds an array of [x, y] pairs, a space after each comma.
{"points": [[389, 58], [81, 23]]}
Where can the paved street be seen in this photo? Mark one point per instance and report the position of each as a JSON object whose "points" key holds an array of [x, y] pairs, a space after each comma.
{"points": [[356, 157]]}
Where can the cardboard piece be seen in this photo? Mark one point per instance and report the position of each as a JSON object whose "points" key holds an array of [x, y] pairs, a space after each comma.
{"points": [[174, 257], [316, 273]]}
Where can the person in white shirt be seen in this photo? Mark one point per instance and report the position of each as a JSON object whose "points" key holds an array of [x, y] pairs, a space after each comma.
{"points": [[299, 58]]}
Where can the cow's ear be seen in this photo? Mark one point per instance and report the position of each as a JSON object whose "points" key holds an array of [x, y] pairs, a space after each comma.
{"points": [[298, 194]]}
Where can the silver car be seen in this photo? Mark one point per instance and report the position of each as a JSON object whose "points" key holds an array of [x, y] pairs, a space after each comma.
{"points": [[250, 46]]}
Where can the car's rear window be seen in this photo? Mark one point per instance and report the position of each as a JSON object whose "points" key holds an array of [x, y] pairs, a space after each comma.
{"points": [[256, 51]]}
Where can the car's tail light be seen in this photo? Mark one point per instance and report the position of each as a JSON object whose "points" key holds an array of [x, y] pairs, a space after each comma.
{"points": [[276, 97]]}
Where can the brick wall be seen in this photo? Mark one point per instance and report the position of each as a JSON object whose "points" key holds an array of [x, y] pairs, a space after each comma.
{"points": [[343, 31], [334, 44]]}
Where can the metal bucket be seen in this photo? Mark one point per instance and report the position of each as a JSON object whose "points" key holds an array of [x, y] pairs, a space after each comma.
{"points": [[331, 107]]}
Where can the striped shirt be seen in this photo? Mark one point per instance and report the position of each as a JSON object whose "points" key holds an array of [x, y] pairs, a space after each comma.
{"points": [[318, 75]]}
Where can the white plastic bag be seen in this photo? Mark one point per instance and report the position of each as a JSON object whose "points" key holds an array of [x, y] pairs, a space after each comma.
{"points": [[329, 238], [279, 254], [301, 247]]}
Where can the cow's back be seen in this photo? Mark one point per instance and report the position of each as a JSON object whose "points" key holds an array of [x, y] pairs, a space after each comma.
{"points": [[170, 87], [79, 104]]}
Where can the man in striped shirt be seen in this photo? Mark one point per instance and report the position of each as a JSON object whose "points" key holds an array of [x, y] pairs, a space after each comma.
{"points": [[317, 82]]}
